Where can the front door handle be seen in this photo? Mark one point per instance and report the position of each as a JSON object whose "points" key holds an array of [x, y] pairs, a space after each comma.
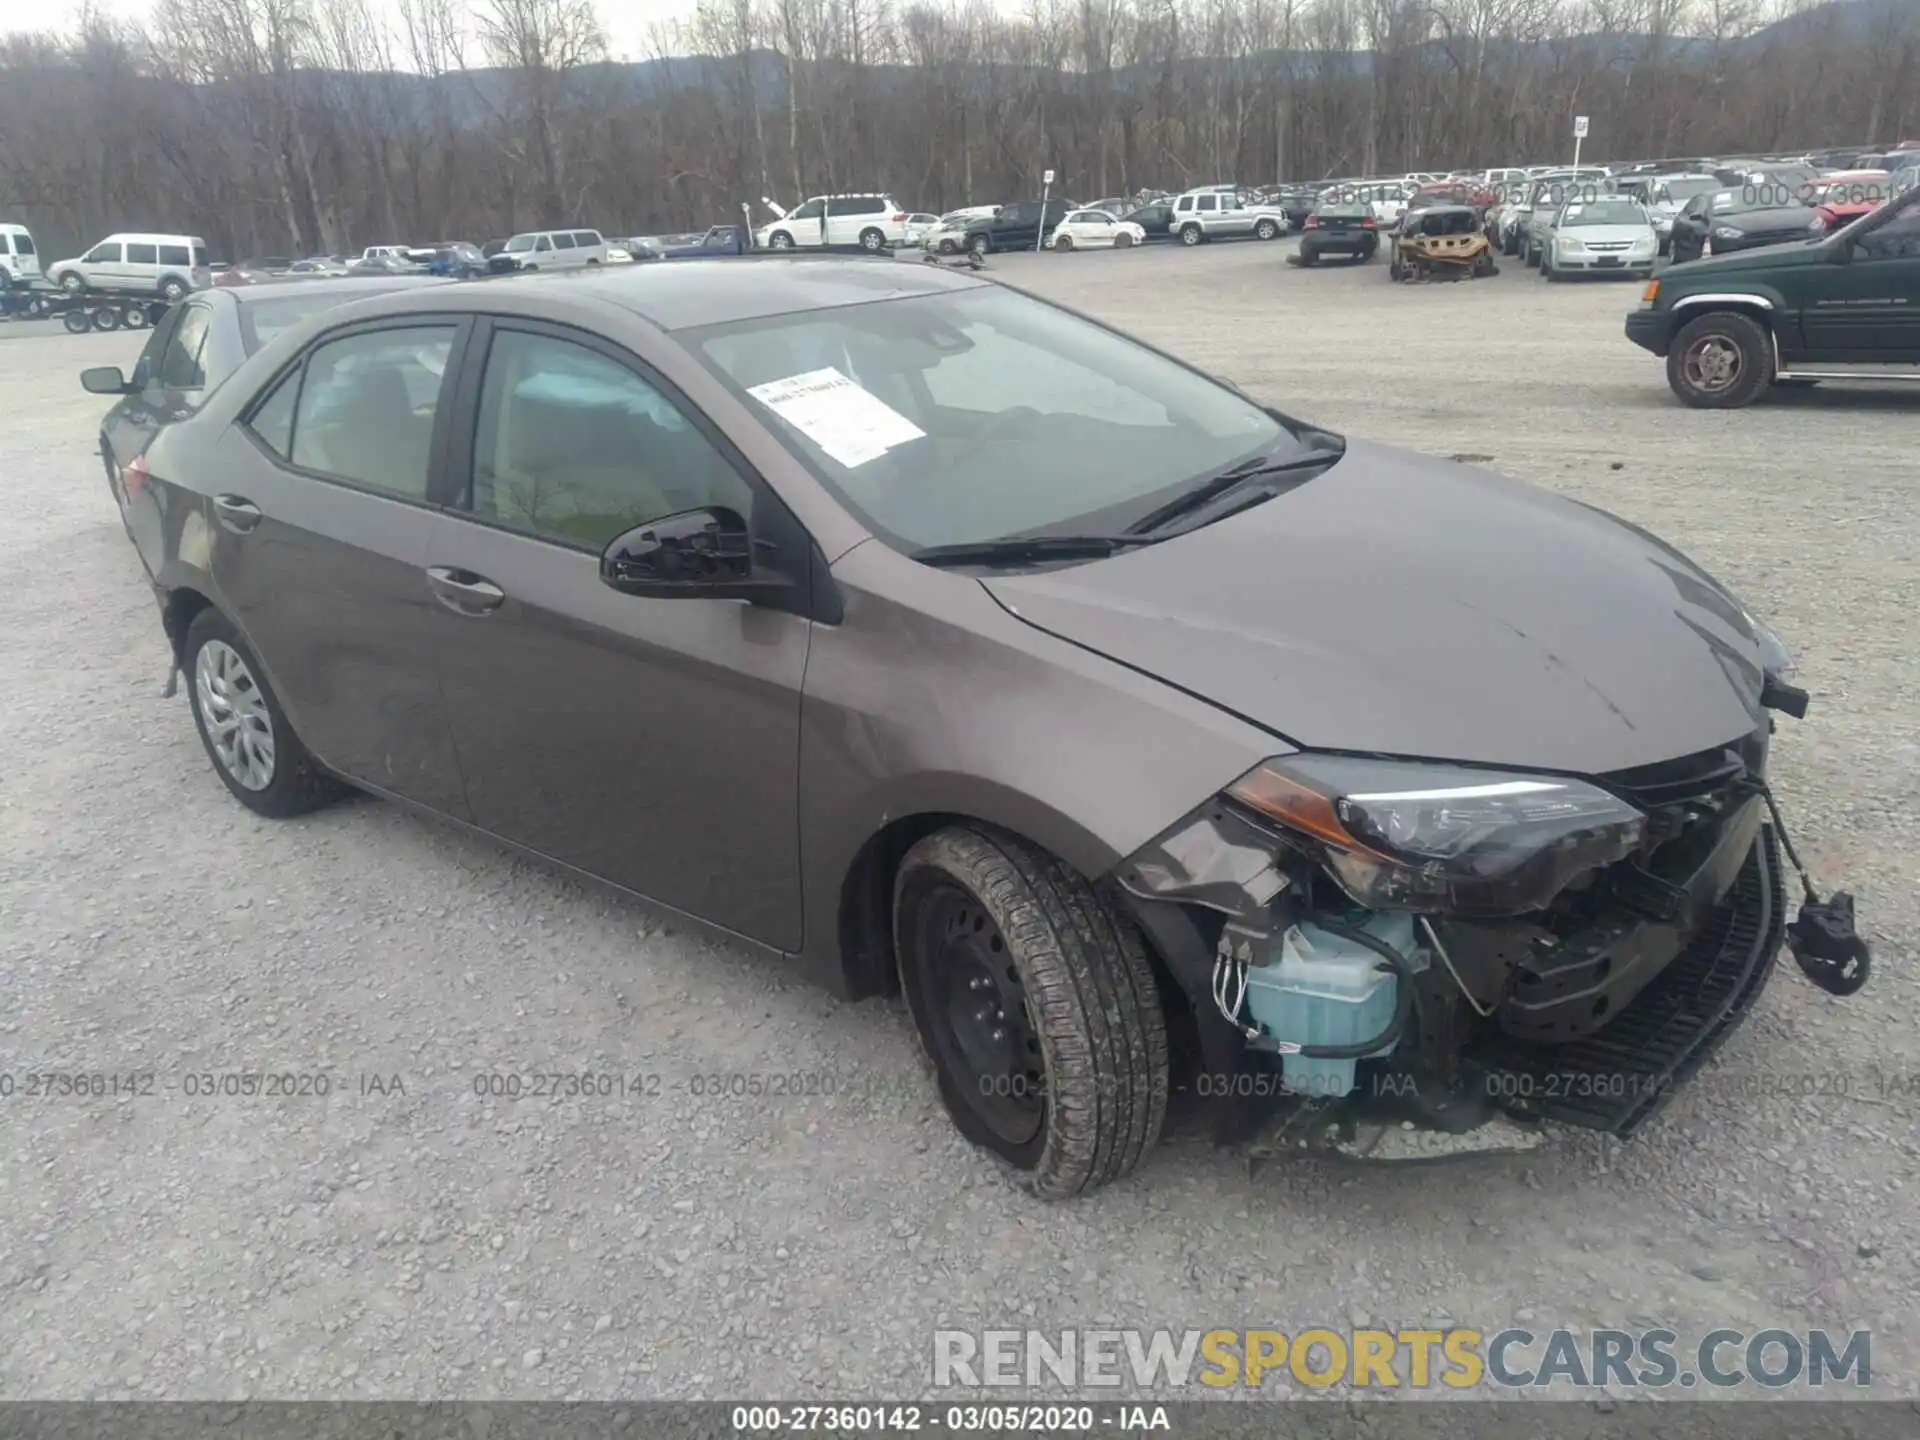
{"points": [[236, 513], [464, 592]]}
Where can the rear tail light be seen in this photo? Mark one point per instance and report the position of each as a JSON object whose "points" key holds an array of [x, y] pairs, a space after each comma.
{"points": [[1313, 223], [900, 219], [133, 475], [1366, 222]]}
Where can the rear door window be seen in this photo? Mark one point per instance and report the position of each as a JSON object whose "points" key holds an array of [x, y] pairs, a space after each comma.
{"points": [[173, 255], [143, 254], [23, 244], [367, 407]]}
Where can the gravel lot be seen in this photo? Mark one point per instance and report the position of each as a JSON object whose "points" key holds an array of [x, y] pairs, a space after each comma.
{"points": [[414, 1240]]}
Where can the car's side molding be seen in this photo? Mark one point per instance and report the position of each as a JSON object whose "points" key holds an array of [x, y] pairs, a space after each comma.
{"points": [[1722, 298]]}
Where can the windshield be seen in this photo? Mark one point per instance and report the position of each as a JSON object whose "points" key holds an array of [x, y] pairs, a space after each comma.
{"points": [[519, 243], [976, 414], [1605, 212], [1678, 192]]}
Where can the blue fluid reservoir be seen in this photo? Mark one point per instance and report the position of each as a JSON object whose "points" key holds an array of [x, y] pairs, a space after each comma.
{"points": [[1318, 988]]}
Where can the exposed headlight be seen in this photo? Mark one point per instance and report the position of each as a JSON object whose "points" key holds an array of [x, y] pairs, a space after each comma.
{"points": [[1398, 835], [1571, 242], [1727, 232]]}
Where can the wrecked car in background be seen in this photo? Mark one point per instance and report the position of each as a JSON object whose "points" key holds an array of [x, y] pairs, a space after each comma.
{"points": [[1452, 804]]}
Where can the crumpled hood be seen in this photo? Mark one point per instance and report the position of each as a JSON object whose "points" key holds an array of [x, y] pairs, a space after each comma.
{"points": [[1410, 606]]}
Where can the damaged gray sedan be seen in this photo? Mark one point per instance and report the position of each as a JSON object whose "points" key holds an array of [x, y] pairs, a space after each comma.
{"points": [[936, 639]]}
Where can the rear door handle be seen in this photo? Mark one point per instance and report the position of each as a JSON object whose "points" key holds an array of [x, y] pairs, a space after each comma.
{"points": [[236, 513], [462, 591]]}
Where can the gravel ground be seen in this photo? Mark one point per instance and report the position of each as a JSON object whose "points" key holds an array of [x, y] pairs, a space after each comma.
{"points": [[403, 1237]]}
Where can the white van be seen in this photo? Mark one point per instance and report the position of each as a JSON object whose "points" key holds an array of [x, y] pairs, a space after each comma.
{"points": [[556, 249], [870, 220], [19, 263], [164, 265]]}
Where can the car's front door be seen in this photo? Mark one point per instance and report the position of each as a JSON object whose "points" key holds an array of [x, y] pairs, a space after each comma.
{"points": [[652, 742], [807, 224], [320, 549], [1867, 309]]}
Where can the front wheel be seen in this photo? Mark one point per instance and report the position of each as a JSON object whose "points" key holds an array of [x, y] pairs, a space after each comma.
{"points": [[172, 289], [980, 245], [1063, 242], [135, 317], [1267, 230], [73, 283], [1123, 241], [1191, 235], [948, 247], [1721, 361], [76, 322], [780, 240], [246, 733], [1035, 1000]]}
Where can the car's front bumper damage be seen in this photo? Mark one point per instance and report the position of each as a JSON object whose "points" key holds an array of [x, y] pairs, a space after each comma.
{"points": [[1590, 1012]]}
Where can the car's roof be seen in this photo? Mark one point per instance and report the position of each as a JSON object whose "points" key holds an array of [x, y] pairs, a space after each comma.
{"points": [[711, 292], [330, 284]]}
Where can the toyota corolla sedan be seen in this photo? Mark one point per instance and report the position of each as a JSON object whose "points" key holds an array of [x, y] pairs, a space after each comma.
{"points": [[936, 638]]}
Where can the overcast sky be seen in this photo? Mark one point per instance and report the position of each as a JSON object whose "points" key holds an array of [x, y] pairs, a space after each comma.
{"points": [[628, 23]]}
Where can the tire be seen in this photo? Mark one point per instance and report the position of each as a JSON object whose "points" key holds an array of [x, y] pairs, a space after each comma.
{"points": [[106, 318], [1266, 230], [74, 283], [1191, 235], [1086, 1051], [780, 240], [172, 289], [1123, 242], [1721, 361], [980, 245], [295, 782], [949, 247], [76, 322], [872, 241], [592, 263], [1063, 242], [1309, 257], [135, 318]]}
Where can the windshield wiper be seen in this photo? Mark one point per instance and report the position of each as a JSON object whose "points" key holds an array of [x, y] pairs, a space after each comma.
{"points": [[1228, 480], [1013, 549]]}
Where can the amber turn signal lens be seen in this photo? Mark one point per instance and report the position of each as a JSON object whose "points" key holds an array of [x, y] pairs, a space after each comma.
{"points": [[1651, 293], [1293, 804]]}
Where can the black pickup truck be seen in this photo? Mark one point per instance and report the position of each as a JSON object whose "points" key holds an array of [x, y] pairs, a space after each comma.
{"points": [[1844, 306], [1016, 227]]}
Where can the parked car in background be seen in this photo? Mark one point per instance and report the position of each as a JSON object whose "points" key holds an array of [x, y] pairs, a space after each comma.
{"points": [[1611, 235], [254, 271], [1218, 213], [919, 226], [1154, 219], [1020, 226], [320, 265], [169, 266], [1096, 230], [457, 259], [948, 235], [1734, 325], [1340, 227], [493, 247], [19, 260], [716, 241], [1742, 219], [197, 345], [870, 220], [1667, 194], [556, 249], [1843, 197], [384, 252]]}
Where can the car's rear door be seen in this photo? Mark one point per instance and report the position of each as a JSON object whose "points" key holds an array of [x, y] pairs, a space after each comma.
{"points": [[319, 547], [652, 742]]}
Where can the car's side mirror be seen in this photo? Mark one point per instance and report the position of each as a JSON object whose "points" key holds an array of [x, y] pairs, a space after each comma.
{"points": [[706, 553], [104, 380]]}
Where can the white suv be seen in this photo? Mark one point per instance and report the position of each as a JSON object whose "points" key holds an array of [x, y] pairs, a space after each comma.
{"points": [[1218, 211], [872, 221], [164, 265]]}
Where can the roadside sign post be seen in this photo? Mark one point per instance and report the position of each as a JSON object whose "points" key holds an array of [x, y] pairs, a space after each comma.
{"points": [[1579, 134], [1046, 189]]}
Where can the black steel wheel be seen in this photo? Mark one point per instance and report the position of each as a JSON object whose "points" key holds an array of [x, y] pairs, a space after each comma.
{"points": [[1035, 1001]]}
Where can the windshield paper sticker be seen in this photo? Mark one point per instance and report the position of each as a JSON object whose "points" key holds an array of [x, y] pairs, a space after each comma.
{"points": [[848, 422]]}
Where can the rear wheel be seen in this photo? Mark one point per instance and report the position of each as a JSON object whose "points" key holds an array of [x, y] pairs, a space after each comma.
{"points": [[1721, 361], [1309, 256], [871, 240], [246, 734], [106, 318], [76, 322], [135, 317], [1036, 1002]]}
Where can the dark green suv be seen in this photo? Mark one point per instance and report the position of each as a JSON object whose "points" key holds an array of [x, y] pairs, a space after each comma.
{"points": [[1839, 306]]}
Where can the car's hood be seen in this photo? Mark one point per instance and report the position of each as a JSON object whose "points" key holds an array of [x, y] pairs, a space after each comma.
{"points": [[1607, 234], [1771, 257], [1408, 606]]}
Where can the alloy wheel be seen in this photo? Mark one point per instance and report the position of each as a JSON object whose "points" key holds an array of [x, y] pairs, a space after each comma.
{"points": [[235, 714], [1713, 364]]}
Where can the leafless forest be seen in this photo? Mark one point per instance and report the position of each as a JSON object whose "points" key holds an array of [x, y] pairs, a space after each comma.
{"points": [[275, 126]]}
